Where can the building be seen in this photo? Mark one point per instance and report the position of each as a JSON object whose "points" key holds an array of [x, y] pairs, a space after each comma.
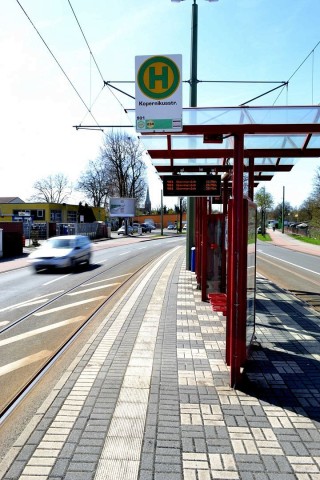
{"points": [[15, 209]]}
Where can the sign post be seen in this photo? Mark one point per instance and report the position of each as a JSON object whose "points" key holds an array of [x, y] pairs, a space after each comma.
{"points": [[158, 93]]}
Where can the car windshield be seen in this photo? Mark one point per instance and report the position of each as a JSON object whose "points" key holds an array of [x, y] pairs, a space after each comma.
{"points": [[60, 243]]}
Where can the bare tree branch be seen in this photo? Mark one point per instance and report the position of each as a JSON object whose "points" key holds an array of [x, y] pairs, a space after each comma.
{"points": [[52, 189]]}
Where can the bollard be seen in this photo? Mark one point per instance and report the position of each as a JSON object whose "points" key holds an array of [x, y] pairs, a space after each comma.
{"points": [[193, 259]]}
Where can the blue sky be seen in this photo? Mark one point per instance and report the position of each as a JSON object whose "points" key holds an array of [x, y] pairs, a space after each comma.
{"points": [[249, 40]]}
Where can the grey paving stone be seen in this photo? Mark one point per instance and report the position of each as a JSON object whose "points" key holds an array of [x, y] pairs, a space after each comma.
{"points": [[59, 469], [15, 470]]}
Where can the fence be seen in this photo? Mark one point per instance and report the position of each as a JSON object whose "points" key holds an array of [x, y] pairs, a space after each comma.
{"points": [[310, 232], [42, 231]]}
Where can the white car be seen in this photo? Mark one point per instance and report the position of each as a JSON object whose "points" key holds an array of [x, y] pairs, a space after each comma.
{"points": [[122, 230], [67, 251]]}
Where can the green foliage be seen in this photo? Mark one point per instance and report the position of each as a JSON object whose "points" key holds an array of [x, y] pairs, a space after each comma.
{"points": [[287, 210], [313, 241], [263, 199], [87, 213], [265, 238]]}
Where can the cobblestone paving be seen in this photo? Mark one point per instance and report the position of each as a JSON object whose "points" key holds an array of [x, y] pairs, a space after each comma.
{"points": [[149, 399]]}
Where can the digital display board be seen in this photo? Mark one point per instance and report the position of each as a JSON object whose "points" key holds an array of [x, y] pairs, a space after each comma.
{"points": [[192, 186]]}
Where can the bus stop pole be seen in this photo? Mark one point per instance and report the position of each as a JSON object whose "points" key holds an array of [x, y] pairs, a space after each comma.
{"points": [[191, 210]]}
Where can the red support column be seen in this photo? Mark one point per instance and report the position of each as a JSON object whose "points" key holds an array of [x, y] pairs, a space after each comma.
{"points": [[237, 248], [204, 241]]}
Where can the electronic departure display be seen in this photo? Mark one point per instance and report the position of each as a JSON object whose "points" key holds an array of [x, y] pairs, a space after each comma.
{"points": [[192, 185]]}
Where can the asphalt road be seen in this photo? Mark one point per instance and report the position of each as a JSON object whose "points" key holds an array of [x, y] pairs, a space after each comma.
{"points": [[292, 270]]}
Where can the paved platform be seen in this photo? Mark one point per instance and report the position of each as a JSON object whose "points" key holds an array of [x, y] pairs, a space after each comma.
{"points": [[148, 397]]}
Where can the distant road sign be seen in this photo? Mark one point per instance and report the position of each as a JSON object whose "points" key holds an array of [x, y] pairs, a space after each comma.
{"points": [[158, 93]]}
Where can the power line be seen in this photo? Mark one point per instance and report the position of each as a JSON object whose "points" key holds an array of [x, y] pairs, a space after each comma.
{"points": [[304, 61], [104, 83], [57, 62], [75, 16]]}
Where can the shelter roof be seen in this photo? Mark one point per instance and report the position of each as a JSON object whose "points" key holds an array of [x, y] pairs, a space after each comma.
{"points": [[274, 139]]}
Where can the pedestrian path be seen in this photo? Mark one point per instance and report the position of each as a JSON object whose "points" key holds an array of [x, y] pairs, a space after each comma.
{"points": [[148, 397], [283, 240]]}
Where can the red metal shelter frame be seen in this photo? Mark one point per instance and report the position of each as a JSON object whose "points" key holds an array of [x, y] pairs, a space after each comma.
{"points": [[233, 141]]}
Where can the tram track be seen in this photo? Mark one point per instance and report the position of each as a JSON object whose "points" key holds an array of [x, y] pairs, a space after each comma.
{"points": [[10, 401], [54, 299]]}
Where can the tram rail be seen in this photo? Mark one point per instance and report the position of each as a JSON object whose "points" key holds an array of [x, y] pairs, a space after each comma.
{"points": [[10, 400]]}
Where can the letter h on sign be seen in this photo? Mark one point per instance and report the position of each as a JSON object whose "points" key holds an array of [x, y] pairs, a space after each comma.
{"points": [[164, 77]]}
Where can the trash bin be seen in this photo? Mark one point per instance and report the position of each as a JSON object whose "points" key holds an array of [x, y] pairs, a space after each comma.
{"points": [[193, 259]]}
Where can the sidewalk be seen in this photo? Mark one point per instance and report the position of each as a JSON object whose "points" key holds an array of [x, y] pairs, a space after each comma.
{"points": [[148, 397], [283, 240]]}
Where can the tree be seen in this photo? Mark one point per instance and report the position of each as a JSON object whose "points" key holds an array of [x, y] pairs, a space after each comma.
{"points": [[86, 212], [310, 209], [264, 202], [119, 171], [94, 183], [122, 156], [287, 209], [316, 185], [52, 189]]}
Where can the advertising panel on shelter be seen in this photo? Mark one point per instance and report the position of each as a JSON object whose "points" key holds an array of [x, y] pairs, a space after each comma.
{"points": [[122, 207], [158, 92]]}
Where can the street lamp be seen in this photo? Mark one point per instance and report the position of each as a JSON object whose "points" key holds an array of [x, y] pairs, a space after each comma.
{"points": [[190, 239]]}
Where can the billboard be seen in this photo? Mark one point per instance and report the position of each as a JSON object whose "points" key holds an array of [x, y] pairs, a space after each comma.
{"points": [[158, 93], [122, 207]]}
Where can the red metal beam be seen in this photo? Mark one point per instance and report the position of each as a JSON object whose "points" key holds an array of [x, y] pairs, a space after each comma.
{"points": [[245, 129], [229, 153], [221, 168]]}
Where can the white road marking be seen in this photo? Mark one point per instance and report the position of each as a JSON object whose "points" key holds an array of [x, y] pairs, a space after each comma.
{"points": [[93, 288], [57, 279], [289, 263], [71, 305], [32, 301], [23, 362], [125, 253], [39, 331], [2, 324], [107, 280]]}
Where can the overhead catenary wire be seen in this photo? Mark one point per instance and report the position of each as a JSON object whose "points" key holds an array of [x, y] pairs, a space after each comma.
{"points": [[310, 53], [58, 63], [105, 84], [109, 85], [76, 18]]}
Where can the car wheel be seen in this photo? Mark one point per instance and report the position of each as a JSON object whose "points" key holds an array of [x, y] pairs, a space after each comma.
{"points": [[73, 264]]}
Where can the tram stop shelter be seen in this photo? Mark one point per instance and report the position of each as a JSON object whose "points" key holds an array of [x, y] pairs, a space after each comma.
{"points": [[230, 147]]}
